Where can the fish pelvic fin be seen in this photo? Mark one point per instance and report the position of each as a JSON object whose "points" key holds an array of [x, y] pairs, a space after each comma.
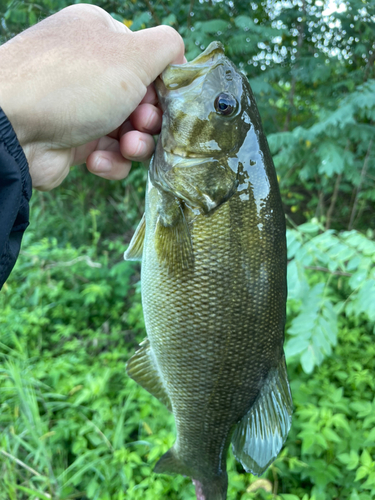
{"points": [[260, 435], [207, 488], [143, 369], [135, 248], [173, 244]]}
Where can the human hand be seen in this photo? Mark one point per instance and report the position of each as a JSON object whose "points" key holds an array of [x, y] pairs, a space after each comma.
{"points": [[77, 87]]}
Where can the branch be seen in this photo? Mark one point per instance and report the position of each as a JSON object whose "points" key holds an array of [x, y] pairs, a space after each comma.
{"points": [[326, 270], [188, 21], [370, 64], [333, 201], [363, 173], [155, 17]]}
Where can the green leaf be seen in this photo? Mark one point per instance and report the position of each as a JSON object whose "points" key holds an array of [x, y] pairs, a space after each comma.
{"points": [[361, 473], [212, 26], [309, 228], [35, 493], [354, 460], [370, 440], [308, 360], [331, 435], [366, 459], [344, 458], [331, 158]]}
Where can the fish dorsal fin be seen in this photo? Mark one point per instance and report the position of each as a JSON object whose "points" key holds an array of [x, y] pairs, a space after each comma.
{"points": [[260, 435], [135, 249], [173, 244], [143, 369]]}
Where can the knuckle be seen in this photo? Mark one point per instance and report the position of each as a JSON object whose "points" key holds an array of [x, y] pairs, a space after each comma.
{"points": [[174, 36], [84, 9]]}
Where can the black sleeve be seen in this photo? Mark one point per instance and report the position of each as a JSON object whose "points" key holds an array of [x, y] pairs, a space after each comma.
{"points": [[15, 194]]}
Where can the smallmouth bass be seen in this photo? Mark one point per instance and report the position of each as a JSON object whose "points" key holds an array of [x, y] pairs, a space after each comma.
{"points": [[213, 251]]}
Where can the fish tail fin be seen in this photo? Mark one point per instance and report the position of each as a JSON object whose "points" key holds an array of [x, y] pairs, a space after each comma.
{"points": [[211, 488]]}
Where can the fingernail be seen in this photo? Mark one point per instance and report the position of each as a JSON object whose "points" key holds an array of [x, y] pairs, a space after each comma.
{"points": [[102, 165], [141, 148]]}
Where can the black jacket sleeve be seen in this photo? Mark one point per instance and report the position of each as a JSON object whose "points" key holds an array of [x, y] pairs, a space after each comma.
{"points": [[15, 194]]}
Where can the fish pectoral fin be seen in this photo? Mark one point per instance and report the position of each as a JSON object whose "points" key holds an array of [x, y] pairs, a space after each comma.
{"points": [[260, 435], [143, 369], [135, 248], [173, 244]]}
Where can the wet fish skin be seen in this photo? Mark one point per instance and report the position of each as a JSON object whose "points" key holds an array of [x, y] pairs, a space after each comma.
{"points": [[213, 254]]}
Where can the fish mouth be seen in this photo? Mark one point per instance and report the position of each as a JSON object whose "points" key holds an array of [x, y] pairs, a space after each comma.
{"points": [[176, 76], [179, 152]]}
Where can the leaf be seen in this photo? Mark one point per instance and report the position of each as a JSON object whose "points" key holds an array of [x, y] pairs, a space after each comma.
{"points": [[361, 473], [353, 461], [309, 228], [370, 440], [295, 346], [344, 458], [331, 435], [358, 278], [365, 299], [170, 20], [297, 280], [308, 360], [212, 26], [35, 493], [331, 158], [140, 20], [366, 459]]}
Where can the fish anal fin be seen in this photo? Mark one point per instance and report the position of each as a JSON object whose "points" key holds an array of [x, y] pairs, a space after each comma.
{"points": [[173, 245], [260, 435], [135, 249], [142, 368]]}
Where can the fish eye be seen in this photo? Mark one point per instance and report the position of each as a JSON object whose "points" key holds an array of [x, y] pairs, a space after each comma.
{"points": [[225, 104]]}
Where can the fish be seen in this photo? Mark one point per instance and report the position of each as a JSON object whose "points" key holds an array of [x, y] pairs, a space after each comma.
{"points": [[213, 277]]}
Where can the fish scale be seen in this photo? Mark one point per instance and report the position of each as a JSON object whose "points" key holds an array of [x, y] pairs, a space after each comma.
{"points": [[214, 282]]}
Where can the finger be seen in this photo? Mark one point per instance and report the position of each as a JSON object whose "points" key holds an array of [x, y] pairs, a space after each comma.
{"points": [[137, 146], [158, 47], [147, 118], [106, 143], [121, 130], [150, 96], [108, 164]]}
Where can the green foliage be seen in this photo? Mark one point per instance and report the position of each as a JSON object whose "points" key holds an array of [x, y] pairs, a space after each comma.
{"points": [[73, 425], [328, 274]]}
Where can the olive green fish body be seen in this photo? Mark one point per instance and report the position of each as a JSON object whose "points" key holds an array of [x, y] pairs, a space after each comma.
{"points": [[214, 287]]}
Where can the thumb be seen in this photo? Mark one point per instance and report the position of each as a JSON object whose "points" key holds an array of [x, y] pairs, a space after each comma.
{"points": [[157, 47]]}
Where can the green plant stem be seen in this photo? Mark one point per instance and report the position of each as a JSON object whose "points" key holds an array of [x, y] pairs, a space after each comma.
{"points": [[19, 462]]}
